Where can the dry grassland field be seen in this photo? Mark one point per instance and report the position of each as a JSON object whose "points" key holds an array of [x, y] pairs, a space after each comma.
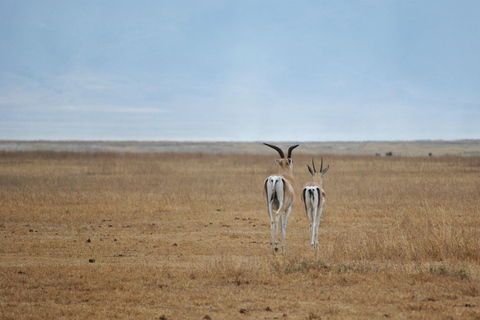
{"points": [[187, 236]]}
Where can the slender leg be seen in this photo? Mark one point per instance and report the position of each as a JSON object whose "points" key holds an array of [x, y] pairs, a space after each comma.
{"points": [[309, 210], [318, 221], [312, 242], [270, 193], [309, 215], [272, 224], [278, 225], [284, 226], [279, 187]]}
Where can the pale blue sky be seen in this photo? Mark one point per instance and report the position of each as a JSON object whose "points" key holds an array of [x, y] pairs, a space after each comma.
{"points": [[239, 70]]}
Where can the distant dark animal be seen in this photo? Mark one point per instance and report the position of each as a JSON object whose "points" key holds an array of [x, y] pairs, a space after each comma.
{"points": [[389, 153]]}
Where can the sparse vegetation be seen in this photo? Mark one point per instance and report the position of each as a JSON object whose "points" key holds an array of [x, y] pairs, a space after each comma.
{"points": [[444, 271], [119, 235]]}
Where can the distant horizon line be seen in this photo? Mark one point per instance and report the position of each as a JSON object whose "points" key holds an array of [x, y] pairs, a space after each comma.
{"points": [[227, 141]]}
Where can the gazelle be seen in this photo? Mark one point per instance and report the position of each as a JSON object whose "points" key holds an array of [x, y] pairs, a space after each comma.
{"points": [[280, 195], [313, 196]]}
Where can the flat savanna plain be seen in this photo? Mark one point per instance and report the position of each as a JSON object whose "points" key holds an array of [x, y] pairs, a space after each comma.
{"points": [[187, 236]]}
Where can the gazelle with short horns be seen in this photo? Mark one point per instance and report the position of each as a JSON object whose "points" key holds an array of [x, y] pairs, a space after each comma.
{"points": [[313, 196], [280, 195]]}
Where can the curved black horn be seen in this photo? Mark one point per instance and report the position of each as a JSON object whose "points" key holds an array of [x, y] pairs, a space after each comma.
{"points": [[321, 166], [282, 155], [310, 170], [313, 164], [290, 150]]}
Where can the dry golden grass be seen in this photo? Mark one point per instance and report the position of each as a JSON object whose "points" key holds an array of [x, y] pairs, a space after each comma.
{"points": [[186, 236]]}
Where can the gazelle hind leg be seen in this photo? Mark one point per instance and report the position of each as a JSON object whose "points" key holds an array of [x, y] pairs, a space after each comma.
{"points": [[270, 188], [279, 193], [310, 220], [318, 220], [314, 223], [284, 226], [272, 224], [278, 224]]}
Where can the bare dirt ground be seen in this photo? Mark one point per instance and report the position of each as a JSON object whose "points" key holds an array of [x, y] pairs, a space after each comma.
{"points": [[89, 235], [404, 148]]}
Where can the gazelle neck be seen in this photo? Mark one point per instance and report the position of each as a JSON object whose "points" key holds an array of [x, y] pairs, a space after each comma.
{"points": [[317, 179], [286, 170]]}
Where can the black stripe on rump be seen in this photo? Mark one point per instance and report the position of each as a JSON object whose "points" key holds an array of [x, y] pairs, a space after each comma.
{"points": [[304, 199], [318, 192], [266, 191]]}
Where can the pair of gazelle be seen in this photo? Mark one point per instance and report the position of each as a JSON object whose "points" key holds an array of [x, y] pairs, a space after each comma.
{"points": [[280, 196]]}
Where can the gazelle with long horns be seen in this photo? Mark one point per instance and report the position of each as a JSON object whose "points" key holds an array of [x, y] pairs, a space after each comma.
{"points": [[280, 195], [313, 196]]}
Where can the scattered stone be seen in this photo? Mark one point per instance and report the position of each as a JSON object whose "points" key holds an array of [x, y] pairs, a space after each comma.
{"points": [[21, 272], [91, 260], [175, 245], [206, 317], [162, 317], [268, 309], [88, 240], [242, 311]]}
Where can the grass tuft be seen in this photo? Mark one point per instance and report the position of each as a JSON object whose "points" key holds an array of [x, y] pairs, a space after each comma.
{"points": [[448, 272]]}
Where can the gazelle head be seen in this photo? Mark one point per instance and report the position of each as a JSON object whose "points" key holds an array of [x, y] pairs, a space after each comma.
{"points": [[283, 162], [317, 176]]}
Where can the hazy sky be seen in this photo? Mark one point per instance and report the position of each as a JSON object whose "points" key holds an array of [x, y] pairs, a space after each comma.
{"points": [[239, 70]]}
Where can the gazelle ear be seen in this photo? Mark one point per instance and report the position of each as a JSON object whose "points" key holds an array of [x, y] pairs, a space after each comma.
{"points": [[310, 170], [278, 161], [325, 171]]}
